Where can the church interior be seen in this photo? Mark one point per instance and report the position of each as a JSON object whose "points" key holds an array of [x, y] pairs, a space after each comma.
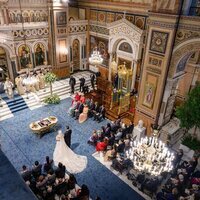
{"points": [[100, 99]]}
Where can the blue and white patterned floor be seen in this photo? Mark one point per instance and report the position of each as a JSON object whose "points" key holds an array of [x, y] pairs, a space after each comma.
{"points": [[22, 146]]}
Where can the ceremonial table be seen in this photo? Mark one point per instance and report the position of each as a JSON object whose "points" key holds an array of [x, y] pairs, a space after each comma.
{"points": [[43, 126]]}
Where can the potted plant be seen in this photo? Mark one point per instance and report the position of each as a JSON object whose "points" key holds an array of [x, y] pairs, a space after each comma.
{"points": [[50, 78]]}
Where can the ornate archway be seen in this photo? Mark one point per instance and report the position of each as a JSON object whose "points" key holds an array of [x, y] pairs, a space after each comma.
{"points": [[122, 31], [181, 54], [10, 59]]}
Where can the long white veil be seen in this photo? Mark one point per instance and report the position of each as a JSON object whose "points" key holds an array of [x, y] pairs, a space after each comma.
{"points": [[74, 163]]}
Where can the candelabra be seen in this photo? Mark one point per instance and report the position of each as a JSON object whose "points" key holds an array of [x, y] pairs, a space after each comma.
{"points": [[150, 155]]}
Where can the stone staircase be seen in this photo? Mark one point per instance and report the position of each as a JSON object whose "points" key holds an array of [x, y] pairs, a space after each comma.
{"points": [[35, 100]]}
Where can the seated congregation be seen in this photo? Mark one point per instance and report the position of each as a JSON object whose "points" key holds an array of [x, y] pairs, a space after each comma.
{"points": [[82, 108], [49, 182], [114, 140]]}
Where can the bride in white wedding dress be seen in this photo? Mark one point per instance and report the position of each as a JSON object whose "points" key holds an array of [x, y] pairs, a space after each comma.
{"points": [[74, 163]]}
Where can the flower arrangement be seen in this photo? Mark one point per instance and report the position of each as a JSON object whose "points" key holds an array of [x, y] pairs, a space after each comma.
{"points": [[50, 78], [53, 99]]}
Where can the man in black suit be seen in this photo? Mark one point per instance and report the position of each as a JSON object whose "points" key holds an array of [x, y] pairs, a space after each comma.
{"points": [[72, 83], [79, 110], [100, 114], [82, 83], [67, 136], [37, 169], [92, 79]]}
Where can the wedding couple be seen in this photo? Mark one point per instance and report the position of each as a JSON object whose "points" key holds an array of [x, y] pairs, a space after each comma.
{"points": [[63, 154]]}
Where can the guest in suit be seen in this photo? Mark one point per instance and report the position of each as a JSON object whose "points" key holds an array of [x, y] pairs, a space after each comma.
{"points": [[82, 83], [37, 169], [79, 110], [67, 136], [60, 171], [72, 83], [95, 109], [26, 174], [102, 112], [48, 165], [92, 80]]}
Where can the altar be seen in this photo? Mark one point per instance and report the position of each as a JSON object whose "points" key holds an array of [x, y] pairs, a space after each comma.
{"points": [[43, 126]]}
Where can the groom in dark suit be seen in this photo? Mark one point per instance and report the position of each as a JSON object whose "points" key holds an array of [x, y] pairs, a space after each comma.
{"points": [[67, 136]]}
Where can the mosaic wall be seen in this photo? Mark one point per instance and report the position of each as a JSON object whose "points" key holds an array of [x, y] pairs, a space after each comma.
{"points": [[108, 17]]}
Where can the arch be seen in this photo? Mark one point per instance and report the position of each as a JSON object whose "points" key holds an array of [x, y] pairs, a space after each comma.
{"points": [[39, 41], [181, 54], [114, 42], [8, 49], [125, 47], [39, 54]]}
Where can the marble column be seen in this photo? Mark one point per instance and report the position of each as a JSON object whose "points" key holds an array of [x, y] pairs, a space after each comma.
{"points": [[2, 21], [110, 69], [134, 68], [5, 14]]}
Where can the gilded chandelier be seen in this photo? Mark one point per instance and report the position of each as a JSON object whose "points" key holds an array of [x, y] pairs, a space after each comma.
{"points": [[150, 155]]}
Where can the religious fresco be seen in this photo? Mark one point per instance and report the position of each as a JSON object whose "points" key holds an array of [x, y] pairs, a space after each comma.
{"points": [[102, 45], [149, 95], [39, 51], [159, 41], [24, 56], [61, 18], [76, 54], [126, 47]]}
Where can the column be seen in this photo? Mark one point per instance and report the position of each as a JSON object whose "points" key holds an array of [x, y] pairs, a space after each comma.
{"points": [[5, 14], [110, 69], [134, 68], [2, 21]]}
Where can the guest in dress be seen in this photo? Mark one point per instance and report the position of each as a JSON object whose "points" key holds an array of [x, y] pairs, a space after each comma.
{"points": [[77, 97], [82, 99], [93, 139], [101, 146], [19, 84], [84, 115], [73, 107]]}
